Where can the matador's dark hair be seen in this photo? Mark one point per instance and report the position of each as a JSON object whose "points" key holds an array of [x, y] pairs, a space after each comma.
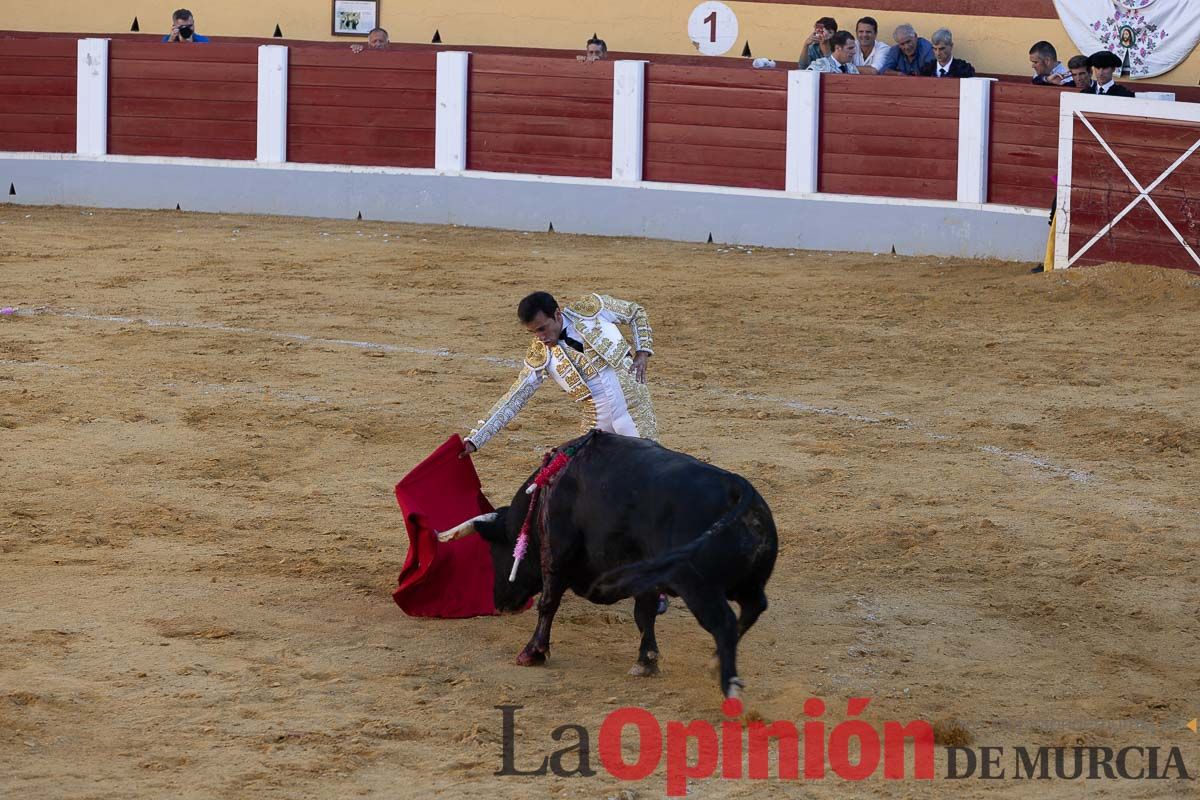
{"points": [[532, 304]]}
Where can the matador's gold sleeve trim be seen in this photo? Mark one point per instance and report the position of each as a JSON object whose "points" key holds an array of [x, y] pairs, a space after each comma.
{"points": [[625, 312], [508, 406]]}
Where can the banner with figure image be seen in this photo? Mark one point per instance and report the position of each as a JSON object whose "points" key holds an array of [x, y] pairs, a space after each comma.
{"points": [[1150, 36]]}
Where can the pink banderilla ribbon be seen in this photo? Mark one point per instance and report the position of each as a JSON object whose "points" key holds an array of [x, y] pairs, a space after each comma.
{"points": [[544, 476]]}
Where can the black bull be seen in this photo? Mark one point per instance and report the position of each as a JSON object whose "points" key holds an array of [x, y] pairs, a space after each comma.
{"points": [[629, 518]]}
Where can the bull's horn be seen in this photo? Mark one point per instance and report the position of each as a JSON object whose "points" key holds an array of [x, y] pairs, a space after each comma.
{"points": [[465, 529]]}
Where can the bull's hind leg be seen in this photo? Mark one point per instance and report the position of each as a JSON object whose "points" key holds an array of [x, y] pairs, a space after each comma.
{"points": [[716, 617], [751, 604], [645, 609]]}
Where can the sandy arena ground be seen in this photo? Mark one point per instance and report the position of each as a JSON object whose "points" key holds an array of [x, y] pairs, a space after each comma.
{"points": [[985, 483]]}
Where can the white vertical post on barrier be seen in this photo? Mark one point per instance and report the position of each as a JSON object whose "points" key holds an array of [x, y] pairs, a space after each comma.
{"points": [[91, 98], [803, 131], [272, 103], [974, 138], [450, 141], [629, 120], [1062, 207]]}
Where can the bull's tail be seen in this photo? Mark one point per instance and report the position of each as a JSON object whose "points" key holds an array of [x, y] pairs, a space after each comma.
{"points": [[645, 576]]}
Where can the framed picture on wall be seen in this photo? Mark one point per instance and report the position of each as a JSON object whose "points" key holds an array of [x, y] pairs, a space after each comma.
{"points": [[355, 17]]}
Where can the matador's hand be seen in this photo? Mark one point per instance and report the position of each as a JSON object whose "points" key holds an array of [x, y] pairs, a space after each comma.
{"points": [[638, 368], [468, 448]]}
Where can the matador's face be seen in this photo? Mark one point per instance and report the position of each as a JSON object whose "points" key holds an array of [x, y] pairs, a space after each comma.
{"points": [[546, 329]]}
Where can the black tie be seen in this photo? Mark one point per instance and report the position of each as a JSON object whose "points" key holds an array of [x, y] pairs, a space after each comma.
{"points": [[843, 68], [941, 72], [574, 344]]}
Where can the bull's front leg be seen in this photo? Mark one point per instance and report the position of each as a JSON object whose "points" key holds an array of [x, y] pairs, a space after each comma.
{"points": [[645, 610], [538, 649]]}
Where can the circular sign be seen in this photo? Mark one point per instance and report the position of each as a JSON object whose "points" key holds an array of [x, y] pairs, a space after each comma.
{"points": [[713, 28]]}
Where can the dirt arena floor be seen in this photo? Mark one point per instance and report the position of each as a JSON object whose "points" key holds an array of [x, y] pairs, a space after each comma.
{"points": [[985, 483]]}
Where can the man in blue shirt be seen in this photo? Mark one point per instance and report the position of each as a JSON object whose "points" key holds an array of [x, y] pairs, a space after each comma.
{"points": [[911, 55], [183, 28]]}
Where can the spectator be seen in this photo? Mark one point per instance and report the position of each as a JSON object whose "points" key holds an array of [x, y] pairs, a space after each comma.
{"points": [[377, 39], [1081, 75], [911, 53], [840, 58], [1103, 64], [871, 53], [183, 28], [596, 50], [1047, 69], [945, 65], [817, 45]]}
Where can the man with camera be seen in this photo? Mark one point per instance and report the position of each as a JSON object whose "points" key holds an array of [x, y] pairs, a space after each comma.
{"points": [[183, 28]]}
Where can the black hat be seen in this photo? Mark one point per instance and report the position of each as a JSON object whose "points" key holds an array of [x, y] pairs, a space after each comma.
{"points": [[1104, 58]]}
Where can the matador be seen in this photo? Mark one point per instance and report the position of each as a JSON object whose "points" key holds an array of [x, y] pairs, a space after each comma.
{"points": [[581, 348]]}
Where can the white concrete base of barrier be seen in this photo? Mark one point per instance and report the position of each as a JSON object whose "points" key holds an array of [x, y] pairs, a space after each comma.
{"points": [[531, 203]]}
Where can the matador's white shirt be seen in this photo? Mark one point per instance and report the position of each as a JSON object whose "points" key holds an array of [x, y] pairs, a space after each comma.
{"points": [[598, 378]]}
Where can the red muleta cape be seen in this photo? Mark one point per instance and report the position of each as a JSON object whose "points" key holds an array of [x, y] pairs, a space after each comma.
{"points": [[451, 580]]}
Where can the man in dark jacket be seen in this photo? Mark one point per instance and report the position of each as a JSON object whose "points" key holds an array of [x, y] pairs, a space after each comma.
{"points": [[945, 65], [1103, 64]]}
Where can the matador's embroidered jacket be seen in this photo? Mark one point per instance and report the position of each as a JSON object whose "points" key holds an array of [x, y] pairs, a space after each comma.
{"points": [[598, 378]]}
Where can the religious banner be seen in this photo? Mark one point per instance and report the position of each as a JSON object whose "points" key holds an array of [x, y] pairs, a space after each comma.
{"points": [[1150, 36]]}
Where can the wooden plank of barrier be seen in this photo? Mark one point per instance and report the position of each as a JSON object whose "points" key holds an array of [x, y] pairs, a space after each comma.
{"points": [[361, 136], [596, 128], [571, 166], [184, 90], [177, 146], [383, 117], [387, 60], [589, 88], [532, 145], [160, 108], [38, 104], [139, 69], [39, 66], [38, 142], [421, 80], [715, 96], [742, 177], [376, 156], [914, 186], [217, 129], [37, 123], [36, 85], [362, 99]]}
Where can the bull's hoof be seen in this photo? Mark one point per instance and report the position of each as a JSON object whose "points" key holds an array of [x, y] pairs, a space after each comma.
{"points": [[531, 658], [640, 670]]}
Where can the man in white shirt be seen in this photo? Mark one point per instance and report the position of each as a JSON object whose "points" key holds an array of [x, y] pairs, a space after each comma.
{"points": [[871, 53], [841, 58]]}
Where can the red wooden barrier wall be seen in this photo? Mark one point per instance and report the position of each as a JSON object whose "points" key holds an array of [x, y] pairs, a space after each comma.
{"points": [[1023, 152], [547, 116], [889, 136], [37, 95], [726, 127], [1100, 190], [199, 101], [371, 108]]}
